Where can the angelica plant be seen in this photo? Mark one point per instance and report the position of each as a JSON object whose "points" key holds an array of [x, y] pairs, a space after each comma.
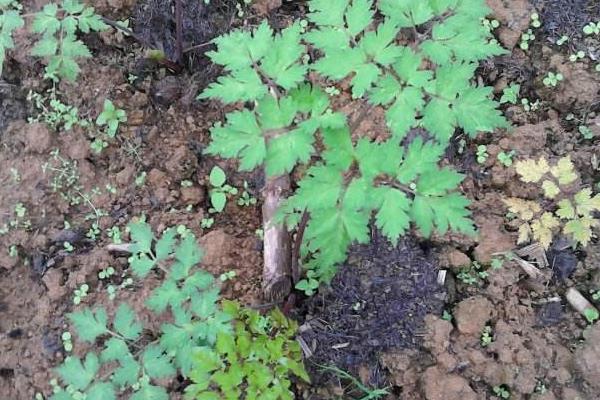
{"points": [[10, 20], [287, 120], [58, 25]]}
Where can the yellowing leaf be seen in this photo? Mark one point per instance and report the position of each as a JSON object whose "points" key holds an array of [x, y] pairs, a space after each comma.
{"points": [[564, 171], [586, 204], [542, 228], [581, 229], [565, 209], [532, 171], [550, 189], [524, 209], [524, 233]]}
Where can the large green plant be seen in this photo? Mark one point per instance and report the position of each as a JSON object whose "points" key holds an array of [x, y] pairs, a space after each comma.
{"points": [[414, 59]]}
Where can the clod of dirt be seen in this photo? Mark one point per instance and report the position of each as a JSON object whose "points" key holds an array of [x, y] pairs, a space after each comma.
{"points": [[376, 302], [563, 263], [587, 357], [492, 238], [453, 258], [579, 88], [438, 385], [155, 23], [472, 314], [514, 16], [12, 104], [550, 313], [264, 7], [38, 138]]}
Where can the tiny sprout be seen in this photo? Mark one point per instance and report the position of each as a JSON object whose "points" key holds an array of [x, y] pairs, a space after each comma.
{"points": [[227, 276], [482, 154], [206, 223], [67, 341], [140, 179], [186, 183], [80, 293], [592, 28], [552, 79], [486, 336], [501, 391], [563, 39], [535, 20], [577, 56], [506, 159], [585, 132], [68, 247], [106, 273], [446, 316]]}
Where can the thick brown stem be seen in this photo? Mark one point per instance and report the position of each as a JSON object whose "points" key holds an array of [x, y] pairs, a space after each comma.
{"points": [[277, 274]]}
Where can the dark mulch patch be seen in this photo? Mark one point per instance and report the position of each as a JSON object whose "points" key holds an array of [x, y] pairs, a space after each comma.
{"points": [[376, 302], [567, 17]]}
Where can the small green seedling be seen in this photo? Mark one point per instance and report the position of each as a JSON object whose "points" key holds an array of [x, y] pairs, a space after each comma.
{"points": [[585, 132], [540, 387], [471, 274], [490, 25], [592, 28], [501, 391], [447, 316], [206, 223], [98, 145], [68, 247], [94, 231], [220, 190], [186, 183], [505, 158], [562, 40], [526, 38], [552, 79], [496, 263], [595, 295], [227, 276], [106, 273], [577, 56], [535, 20], [529, 106], [510, 94], [246, 199], [486, 336], [67, 341], [111, 117], [309, 285], [13, 252], [591, 315], [115, 234], [140, 179], [482, 154], [81, 293]]}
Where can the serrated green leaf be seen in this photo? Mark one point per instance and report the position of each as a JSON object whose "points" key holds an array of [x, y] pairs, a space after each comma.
{"points": [[165, 245], [141, 264], [438, 182], [282, 62], [46, 21], [327, 12], [80, 375], [150, 392], [585, 203], [141, 237], [188, 253], [406, 13], [241, 137], [241, 85], [89, 324], [101, 391], [287, 150], [393, 214], [442, 213], [125, 322], [476, 112], [167, 294], [358, 16], [420, 157], [157, 364], [127, 373], [45, 47], [114, 349]]}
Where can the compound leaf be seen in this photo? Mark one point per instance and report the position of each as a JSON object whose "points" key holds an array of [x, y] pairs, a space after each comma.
{"points": [[125, 322], [78, 374], [393, 216], [157, 364], [89, 324]]}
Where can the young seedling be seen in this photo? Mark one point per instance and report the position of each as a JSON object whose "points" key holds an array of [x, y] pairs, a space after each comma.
{"points": [[447, 316], [67, 341], [111, 117], [595, 295], [562, 40], [501, 391], [94, 231], [98, 145], [505, 158], [535, 20], [592, 28], [552, 79], [528, 106], [526, 38], [246, 199], [510, 94], [106, 273], [577, 56], [219, 190], [490, 25], [68, 247], [486, 336], [140, 179], [81, 293], [115, 234], [482, 154], [206, 223], [227, 276]]}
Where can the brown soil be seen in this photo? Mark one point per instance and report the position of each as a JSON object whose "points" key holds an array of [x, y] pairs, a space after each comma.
{"points": [[541, 348]]}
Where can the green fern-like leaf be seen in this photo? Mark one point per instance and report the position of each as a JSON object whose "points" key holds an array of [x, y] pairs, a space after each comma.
{"points": [[79, 374], [10, 20], [89, 324], [125, 323]]}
